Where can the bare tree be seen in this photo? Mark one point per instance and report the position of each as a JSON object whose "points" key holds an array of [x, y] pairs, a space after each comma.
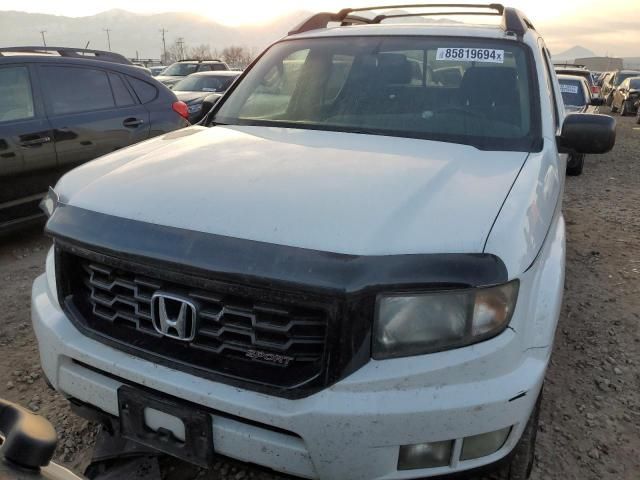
{"points": [[201, 52], [175, 52], [236, 57]]}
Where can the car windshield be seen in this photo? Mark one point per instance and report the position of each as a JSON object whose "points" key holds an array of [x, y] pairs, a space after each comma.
{"points": [[205, 83], [471, 91], [572, 93], [622, 76], [181, 69], [634, 83]]}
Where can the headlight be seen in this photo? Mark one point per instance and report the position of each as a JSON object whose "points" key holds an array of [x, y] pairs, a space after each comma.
{"points": [[415, 324], [195, 108], [49, 203]]}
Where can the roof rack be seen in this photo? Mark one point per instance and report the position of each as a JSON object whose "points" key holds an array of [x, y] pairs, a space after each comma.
{"points": [[513, 20], [200, 60], [70, 52]]}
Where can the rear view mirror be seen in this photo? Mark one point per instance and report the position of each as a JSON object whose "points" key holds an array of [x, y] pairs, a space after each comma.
{"points": [[207, 106], [597, 102], [587, 133]]}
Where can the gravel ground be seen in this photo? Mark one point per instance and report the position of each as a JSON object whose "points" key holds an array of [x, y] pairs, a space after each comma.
{"points": [[590, 427]]}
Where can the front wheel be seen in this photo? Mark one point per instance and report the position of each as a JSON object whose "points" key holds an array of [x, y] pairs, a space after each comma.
{"points": [[609, 100], [623, 109], [575, 165], [521, 464]]}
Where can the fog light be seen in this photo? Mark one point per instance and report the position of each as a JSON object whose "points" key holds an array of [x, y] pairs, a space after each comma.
{"points": [[425, 455], [484, 444]]}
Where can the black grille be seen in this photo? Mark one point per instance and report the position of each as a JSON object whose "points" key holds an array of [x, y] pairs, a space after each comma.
{"points": [[239, 334]]}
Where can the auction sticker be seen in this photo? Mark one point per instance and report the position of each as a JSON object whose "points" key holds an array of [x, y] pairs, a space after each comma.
{"points": [[487, 55], [566, 88]]}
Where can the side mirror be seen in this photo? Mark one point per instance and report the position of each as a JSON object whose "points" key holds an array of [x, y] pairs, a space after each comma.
{"points": [[207, 105], [597, 102], [587, 133], [29, 439]]}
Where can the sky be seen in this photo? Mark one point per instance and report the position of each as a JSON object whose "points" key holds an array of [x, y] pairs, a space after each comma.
{"points": [[563, 23]]}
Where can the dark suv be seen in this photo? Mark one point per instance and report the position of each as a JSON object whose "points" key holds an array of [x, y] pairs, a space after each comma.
{"points": [[177, 71], [62, 107]]}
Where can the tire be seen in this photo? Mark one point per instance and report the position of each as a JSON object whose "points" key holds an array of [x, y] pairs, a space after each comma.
{"points": [[521, 463], [614, 109], [623, 109], [609, 100], [575, 165]]}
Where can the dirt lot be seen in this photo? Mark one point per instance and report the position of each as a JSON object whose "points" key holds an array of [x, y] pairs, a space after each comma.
{"points": [[590, 426]]}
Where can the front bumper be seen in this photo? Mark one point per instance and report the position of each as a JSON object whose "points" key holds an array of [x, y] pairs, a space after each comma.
{"points": [[351, 430]]}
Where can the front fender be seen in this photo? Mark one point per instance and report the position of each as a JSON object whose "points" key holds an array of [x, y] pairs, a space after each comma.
{"points": [[525, 220]]}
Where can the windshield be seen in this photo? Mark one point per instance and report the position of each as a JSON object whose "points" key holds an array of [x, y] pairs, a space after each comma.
{"points": [[634, 83], [572, 93], [621, 77], [471, 91], [181, 69], [205, 83]]}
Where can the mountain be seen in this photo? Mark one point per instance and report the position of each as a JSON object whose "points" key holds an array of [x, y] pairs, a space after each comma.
{"points": [[573, 53], [133, 33]]}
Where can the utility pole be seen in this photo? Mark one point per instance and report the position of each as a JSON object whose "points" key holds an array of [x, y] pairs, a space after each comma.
{"points": [[164, 45], [44, 42], [180, 43], [108, 37]]}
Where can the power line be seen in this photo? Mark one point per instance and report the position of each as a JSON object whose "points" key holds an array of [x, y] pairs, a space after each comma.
{"points": [[108, 37], [44, 42], [164, 45]]}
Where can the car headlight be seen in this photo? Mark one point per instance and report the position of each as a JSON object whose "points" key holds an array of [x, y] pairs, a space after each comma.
{"points": [[414, 324], [50, 202], [195, 108]]}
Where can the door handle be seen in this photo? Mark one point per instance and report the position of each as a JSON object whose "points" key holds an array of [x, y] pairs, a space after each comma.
{"points": [[34, 142], [132, 122]]}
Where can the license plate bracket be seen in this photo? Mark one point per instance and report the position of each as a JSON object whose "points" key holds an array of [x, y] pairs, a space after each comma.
{"points": [[197, 447]]}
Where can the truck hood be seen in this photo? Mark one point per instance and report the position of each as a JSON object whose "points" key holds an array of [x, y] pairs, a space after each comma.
{"points": [[338, 192]]}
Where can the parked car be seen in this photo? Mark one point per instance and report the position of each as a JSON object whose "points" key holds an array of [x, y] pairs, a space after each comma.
{"points": [[61, 107], [157, 70], [355, 273], [204, 88], [613, 81], [579, 71], [177, 71], [577, 98], [626, 97], [142, 67]]}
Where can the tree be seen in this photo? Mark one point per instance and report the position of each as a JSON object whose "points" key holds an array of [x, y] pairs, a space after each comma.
{"points": [[201, 52], [236, 57], [175, 52]]}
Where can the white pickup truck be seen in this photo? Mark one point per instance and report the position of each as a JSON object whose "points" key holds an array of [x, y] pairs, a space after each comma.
{"points": [[353, 271]]}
